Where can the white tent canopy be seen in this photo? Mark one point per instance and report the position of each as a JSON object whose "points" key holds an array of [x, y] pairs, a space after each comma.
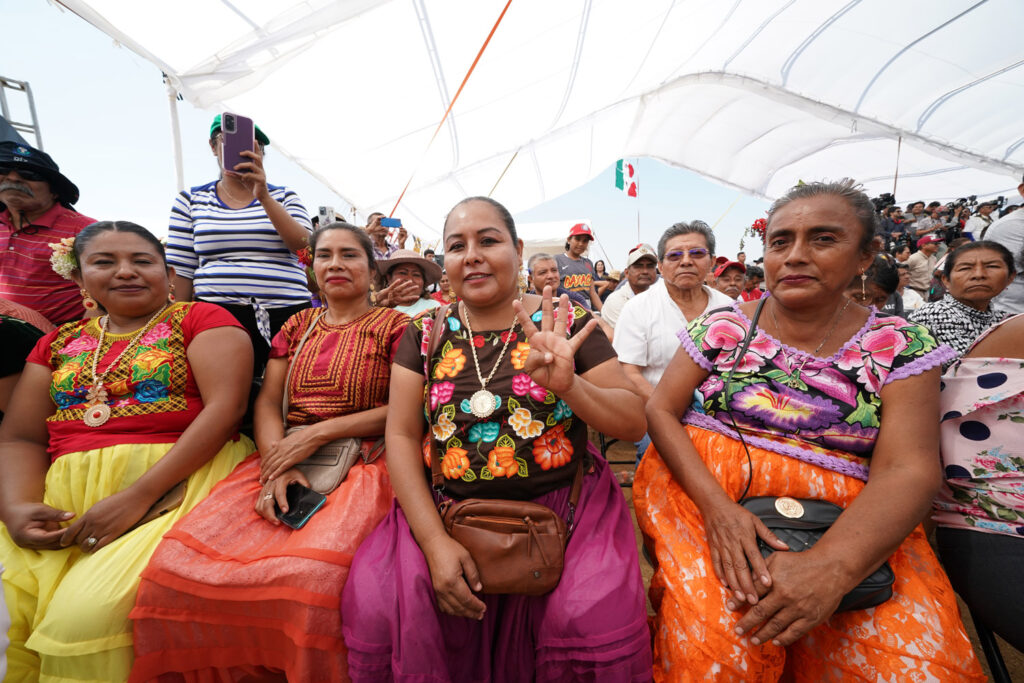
{"points": [[755, 94]]}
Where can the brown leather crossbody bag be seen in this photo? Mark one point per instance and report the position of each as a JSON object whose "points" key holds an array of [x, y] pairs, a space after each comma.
{"points": [[517, 546]]}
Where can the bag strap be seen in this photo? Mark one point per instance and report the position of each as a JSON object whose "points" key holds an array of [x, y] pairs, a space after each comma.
{"points": [[728, 391], [437, 478], [291, 365]]}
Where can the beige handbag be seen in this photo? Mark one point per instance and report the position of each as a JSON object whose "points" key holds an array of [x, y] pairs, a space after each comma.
{"points": [[327, 466]]}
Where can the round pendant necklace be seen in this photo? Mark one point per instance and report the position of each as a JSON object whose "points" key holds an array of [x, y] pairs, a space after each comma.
{"points": [[97, 411], [482, 402], [794, 376]]}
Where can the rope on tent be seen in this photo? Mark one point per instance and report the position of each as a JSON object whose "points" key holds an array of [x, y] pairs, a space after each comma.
{"points": [[505, 170], [720, 218], [450, 105]]}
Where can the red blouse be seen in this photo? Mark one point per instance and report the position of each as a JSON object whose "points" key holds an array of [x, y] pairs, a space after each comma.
{"points": [[152, 394]]}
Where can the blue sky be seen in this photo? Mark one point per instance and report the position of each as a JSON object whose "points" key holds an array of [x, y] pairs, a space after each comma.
{"points": [[105, 118]]}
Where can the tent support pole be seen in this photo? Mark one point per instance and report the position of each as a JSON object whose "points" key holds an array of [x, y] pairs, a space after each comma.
{"points": [[179, 171]]}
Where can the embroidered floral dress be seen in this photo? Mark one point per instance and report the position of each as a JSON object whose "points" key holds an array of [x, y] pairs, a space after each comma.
{"points": [[982, 455], [523, 449], [825, 411]]}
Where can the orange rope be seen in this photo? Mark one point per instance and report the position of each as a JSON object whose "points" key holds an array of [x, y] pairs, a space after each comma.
{"points": [[452, 104]]}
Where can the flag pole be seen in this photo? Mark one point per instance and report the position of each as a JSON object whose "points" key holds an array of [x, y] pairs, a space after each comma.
{"points": [[638, 200]]}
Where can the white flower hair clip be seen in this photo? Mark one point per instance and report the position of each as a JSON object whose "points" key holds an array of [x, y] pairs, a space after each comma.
{"points": [[63, 260]]}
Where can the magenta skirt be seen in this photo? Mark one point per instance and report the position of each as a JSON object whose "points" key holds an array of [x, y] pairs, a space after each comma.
{"points": [[592, 627]]}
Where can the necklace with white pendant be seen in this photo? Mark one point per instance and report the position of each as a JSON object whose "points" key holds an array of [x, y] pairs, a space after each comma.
{"points": [[482, 402], [97, 411]]}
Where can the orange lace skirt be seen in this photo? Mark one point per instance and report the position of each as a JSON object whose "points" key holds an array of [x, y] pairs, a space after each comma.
{"points": [[916, 635]]}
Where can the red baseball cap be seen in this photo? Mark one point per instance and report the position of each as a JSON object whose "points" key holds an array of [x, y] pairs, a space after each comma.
{"points": [[581, 229], [928, 239], [729, 264]]}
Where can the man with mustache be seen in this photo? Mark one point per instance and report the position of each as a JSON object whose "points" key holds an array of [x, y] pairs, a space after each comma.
{"points": [[35, 211]]}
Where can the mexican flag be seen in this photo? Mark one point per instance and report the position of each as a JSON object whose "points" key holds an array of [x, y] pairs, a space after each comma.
{"points": [[625, 177]]}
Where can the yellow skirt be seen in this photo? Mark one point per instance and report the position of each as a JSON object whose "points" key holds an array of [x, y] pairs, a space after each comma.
{"points": [[69, 610]]}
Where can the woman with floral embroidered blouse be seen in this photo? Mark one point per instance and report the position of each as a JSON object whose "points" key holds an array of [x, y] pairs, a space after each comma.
{"points": [[508, 406], [109, 415], [807, 398], [980, 507]]}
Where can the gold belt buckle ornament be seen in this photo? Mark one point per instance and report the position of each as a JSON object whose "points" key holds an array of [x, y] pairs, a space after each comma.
{"points": [[789, 507]]}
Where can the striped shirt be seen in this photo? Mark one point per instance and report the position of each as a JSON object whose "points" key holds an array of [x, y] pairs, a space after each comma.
{"points": [[26, 276], [235, 256]]}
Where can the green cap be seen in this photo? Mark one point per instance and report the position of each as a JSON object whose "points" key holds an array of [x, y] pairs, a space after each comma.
{"points": [[260, 135]]}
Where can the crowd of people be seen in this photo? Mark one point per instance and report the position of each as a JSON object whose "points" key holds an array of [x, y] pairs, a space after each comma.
{"points": [[161, 404]]}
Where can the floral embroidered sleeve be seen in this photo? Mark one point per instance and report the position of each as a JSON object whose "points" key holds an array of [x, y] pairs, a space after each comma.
{"points": [[907, 349], [712, 335]]}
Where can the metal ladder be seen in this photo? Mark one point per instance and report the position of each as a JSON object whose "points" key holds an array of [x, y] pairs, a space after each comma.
{"points": [[20, 126]]}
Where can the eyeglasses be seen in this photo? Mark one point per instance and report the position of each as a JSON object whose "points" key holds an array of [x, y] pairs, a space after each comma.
{"points": [[25, 174], [696, 254]]}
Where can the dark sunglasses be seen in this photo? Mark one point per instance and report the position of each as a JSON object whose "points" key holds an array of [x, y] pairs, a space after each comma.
{"points": [[695, 254], [25, 174]]}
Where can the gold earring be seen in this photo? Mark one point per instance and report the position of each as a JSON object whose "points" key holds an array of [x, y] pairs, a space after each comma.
{"points": [[373, 295], [863, 284], [523, 283], [88, 303], [170, 293]]}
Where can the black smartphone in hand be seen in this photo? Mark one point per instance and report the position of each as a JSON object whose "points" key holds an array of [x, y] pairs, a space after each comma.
{"points": [[303, 502]]}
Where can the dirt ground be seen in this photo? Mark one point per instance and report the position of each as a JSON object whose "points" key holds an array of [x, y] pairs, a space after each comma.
{"points": [[620, 455]]}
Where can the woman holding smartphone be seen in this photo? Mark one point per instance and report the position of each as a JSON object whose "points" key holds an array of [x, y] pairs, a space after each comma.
{"points": [[241, 593], [233, 242]]}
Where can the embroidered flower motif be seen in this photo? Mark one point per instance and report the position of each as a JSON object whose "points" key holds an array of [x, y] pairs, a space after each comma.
{"points": [[502, 461], [519, 355], [425, 448], [781, 407], [64, 375], [454, 463], [454, 324], [77, 346], [151, 359], [443, 428], [65, 400], [874, 356], [508, 335], [553, 449], [478, 341], [484, 431], [451, 364], [150, 391], [562, 410], [724, 333], [440, 392], [524, 425], [160, 331], [427, 323], [522, 385]]}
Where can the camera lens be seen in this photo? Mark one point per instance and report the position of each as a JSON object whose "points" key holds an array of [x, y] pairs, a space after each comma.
{"points": [[229, 123]]}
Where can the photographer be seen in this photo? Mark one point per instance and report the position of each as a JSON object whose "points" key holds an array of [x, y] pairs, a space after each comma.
{"points": [[976, 225]]}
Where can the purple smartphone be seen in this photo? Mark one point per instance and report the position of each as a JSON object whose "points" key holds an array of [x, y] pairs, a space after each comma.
{"points": [[238, 135]]}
